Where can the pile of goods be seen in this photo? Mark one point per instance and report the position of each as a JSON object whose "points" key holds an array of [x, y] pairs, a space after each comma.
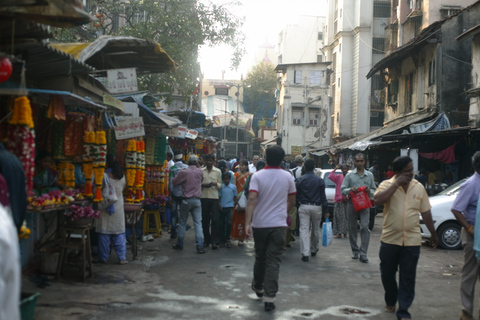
{"points": [[75, 212], [51, 200]]}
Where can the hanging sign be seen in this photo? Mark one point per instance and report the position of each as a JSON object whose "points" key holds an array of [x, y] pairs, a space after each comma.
{"points": [[191, 134], [178, 132], [129, 128], [296, 150], [111, 101], [222, 120], [122, 80]]}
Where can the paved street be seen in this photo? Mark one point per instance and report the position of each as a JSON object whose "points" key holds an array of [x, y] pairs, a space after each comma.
{"points": [[167, 284]]}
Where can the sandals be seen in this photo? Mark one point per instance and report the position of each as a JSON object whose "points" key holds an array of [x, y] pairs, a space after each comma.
{"points": [[390, 309], [123, 262]]}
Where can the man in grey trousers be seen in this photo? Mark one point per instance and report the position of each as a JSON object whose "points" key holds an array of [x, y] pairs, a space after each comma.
{"points": [[359, 177]]}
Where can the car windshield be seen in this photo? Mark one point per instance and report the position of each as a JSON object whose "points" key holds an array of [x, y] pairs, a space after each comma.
{"points": [[453, 189], [329, 183]]}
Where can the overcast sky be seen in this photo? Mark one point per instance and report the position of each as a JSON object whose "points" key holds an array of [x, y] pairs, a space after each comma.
{"points": [[264, 19]]}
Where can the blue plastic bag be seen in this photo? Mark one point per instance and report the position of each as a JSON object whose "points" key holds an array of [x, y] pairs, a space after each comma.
{"points": [[327, 233]]}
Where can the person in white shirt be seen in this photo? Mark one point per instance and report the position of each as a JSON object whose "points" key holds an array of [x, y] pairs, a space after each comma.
{"points": [[171, 163], [9, 268], [252, 167]]}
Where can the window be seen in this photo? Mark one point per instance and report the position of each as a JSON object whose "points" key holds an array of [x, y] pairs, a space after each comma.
{"points": [[314, 117], [378, 45], [409, 91], [320, 36], [448, 11], [377, 83], [221, 91], [393, 91], [297, 116], [376, 119], [381, 9], [319, 58], [297, 77], [315, 77], [431, 72]]}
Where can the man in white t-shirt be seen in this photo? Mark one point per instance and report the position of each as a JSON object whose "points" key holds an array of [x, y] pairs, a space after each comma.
{"points": [[252, 167], [271, 195]]}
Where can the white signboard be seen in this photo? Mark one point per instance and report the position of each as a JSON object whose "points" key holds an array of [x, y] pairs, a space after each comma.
{"points": [[129, 128], [191, 134], [178, 132], [122, 80]]}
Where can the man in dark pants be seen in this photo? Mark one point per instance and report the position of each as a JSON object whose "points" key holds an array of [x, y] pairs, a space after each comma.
{"points": [[212, 182], [403, 198], [271, 196], [312, 199], [465, 210], [359, 177]]}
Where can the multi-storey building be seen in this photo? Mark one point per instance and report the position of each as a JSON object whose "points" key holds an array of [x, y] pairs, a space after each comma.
{"points": [[355, 38], [302, 42]]}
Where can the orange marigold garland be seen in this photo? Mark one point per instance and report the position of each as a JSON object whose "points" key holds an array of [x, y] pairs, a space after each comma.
{"points": [[140, 172], [21, 137], [99, 163], [131, 166], [88, 156]]}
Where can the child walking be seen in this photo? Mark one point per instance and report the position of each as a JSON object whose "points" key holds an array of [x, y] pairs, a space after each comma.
{"points": [[228, 198]]}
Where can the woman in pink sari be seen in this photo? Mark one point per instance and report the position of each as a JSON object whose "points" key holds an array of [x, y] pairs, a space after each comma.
{"points": [[340, 217]]}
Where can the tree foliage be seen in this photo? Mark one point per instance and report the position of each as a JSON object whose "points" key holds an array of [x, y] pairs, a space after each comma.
{"points": [[259, 96], [180, 26]]}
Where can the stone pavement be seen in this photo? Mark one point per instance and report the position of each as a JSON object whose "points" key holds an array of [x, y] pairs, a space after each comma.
{"points": [[166, 284]]}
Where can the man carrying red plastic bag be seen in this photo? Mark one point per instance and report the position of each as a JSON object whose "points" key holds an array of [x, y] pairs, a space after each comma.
{"points": [[360, 186]]}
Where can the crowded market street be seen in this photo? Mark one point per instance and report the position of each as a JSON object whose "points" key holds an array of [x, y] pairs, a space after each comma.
{"points": [[166, 284]]}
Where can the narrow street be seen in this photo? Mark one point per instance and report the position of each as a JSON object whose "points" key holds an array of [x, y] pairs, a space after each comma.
{"points": [[166, 284]]}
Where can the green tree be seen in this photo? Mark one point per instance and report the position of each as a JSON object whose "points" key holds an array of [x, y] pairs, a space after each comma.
{"points": [[259, 96], [180, 26]]}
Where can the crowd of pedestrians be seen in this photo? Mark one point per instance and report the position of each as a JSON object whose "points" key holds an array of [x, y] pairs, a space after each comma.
{"points": [[281, 200]]}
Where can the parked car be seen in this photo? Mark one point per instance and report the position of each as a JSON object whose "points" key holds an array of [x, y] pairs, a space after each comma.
{"points": [[330, 193], [447, 228]]}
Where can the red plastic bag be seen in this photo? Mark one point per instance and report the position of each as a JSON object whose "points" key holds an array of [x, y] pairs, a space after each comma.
{"points": [[360, 200]]}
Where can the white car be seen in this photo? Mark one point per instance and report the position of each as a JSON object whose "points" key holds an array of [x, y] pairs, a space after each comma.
{"points": [[330, 194], [447, 227]]}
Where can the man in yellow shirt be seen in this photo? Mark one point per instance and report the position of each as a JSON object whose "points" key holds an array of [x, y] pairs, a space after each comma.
{"points": [[403, 198]]}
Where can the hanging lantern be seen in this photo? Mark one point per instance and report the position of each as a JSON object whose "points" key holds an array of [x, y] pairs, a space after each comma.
{"points": [[5, 69]]}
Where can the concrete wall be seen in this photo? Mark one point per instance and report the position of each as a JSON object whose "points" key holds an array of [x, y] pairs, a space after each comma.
{"points": [[298, 43]]}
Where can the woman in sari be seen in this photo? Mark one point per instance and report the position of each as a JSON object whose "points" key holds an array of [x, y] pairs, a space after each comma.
{"points": [[239, 179]]}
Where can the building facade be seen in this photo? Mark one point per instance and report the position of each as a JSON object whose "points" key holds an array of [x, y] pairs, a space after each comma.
{"points": [[303, 107], [354, 43]]}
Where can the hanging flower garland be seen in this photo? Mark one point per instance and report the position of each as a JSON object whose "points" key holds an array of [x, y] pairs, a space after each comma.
{"points": [[21, 137], [88, 156], [131, 165], [99, 163], [140, 174]]}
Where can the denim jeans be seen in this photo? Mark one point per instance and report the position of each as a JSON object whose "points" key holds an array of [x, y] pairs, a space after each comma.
{"points": [[405, 259], [174, 208], [225, 224], [268, 256], [194, 206], [210, 221]]}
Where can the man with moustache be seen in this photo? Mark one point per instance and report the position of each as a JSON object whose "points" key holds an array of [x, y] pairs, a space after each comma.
{"points": [[403, 198]]}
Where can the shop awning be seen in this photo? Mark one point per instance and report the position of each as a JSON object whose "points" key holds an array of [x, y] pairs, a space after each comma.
{"points": [[155, 116], [119, 52], [364, 141], [57, 13], [68, 98], [269, 141]]}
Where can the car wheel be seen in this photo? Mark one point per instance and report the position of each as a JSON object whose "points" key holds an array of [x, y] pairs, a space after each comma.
{"points": [[449, 236]]}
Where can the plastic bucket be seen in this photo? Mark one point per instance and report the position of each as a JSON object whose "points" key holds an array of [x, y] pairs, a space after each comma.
{"points": [[27, 305]]}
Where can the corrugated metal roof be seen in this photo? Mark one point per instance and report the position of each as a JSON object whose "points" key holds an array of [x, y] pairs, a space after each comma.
{"points": [[44, 62], [116, 52], [23, 30]]}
